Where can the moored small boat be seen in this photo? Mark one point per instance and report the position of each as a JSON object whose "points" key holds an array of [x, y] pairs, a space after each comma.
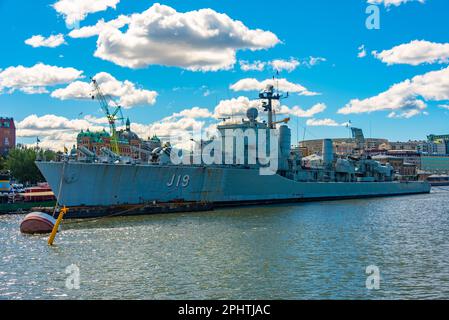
{"points": [[438, 180]]}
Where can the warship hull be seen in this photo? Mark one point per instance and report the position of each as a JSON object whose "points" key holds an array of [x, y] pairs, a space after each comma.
{"points": [[117, 185]]}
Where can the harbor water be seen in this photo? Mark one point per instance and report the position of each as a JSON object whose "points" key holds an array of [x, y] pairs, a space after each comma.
{"points": [[298, 251]]}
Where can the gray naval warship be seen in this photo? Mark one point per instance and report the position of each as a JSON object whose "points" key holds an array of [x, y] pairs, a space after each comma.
{"points": [[113, 185]]}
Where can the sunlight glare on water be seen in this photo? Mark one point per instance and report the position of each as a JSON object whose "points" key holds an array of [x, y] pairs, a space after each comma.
{"points": [[302, 251]]}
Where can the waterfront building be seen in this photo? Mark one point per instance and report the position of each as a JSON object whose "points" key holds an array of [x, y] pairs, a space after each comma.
{"points": [[401, 146], [433, 148], [440, 139], [435, 138], [343, 146], [312, 146], [435, 164], [409, 156], [129, 143], [7, 135], [404, 169], [409, 145]]}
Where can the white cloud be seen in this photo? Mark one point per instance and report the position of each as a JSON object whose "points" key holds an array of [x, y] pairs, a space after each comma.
{"points": [[52, 41], [75, 90], [127, 92], [193, 113], [201, 40], [407, 98], [280, 64], [77, 10], [362, 52], [235, 107], [314, 110], [252, 84], [254, 66], [324, 123], [32, 90], [406, 114], [34, 125], [415, 53], [174, 128], [182, 124], [287, 65], [37, 78], [95, 30], [204, 90], [444, 106], [95, 120], [55, 132], [396, 3], [313, 61]]}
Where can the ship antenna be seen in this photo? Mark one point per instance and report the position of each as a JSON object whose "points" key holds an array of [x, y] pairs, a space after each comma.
{"points": [[277, 81], [297, 129], [304, 135], [269, 95], [349, 125]]}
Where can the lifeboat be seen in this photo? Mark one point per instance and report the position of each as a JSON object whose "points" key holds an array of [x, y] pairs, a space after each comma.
{"points": [[37, 223]]}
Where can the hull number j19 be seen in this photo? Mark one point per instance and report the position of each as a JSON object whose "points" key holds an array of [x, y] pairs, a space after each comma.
{"points": [[179, 181]]}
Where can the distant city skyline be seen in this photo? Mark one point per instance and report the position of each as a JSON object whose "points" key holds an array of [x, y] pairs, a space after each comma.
{"points": [[178, 65]]}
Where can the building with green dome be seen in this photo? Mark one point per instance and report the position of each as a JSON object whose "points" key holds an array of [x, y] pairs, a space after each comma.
{"points": [[129, 143]]}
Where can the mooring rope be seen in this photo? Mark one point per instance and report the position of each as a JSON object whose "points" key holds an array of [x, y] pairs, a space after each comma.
{"points": [[87, 220], [104, 217], [441, 188], [60, 189]]}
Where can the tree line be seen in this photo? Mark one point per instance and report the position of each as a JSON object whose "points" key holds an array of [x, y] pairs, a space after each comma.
{"points": [[20, 162]]}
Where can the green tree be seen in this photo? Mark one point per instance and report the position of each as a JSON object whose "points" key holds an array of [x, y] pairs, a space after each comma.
{"points": [[21, 163], [2, 163], [47, 155]]}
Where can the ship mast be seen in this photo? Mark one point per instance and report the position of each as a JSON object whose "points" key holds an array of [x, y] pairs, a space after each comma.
{"points": [[269, 95]]}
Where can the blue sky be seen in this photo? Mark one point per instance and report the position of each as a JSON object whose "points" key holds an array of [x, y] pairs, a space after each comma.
{"points": [[331, 30]]}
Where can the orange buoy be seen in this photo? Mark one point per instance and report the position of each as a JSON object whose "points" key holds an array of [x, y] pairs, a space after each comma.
{"points": [[37, 223]]}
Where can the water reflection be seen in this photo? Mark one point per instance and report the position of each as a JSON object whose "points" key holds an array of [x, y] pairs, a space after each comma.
{"points": [[304, 251]]}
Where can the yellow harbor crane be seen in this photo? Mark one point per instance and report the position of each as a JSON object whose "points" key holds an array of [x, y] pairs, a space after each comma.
{"points": [[106, 102], [285, 121]]}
